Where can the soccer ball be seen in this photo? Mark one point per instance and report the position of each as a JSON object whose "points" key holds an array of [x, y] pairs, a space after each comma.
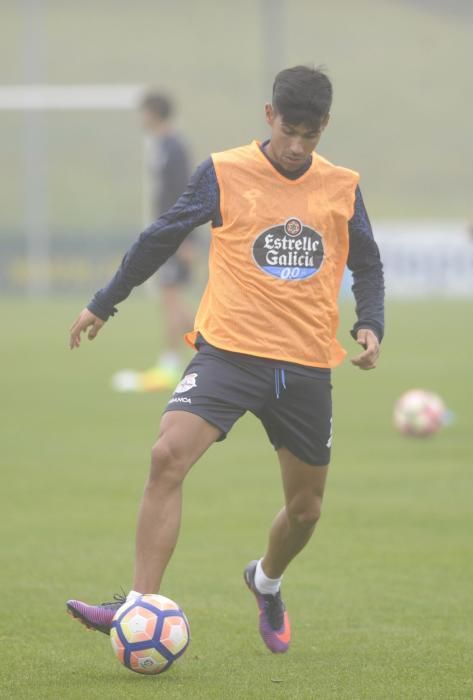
{"points": [[419, 413], [148, 634]]}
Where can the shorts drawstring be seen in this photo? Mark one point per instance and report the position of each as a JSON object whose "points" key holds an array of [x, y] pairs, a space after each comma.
{"points": [[279, 379]]}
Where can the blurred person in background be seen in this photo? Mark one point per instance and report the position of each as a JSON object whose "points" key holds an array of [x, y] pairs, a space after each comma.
{"points": [[168, 162]]}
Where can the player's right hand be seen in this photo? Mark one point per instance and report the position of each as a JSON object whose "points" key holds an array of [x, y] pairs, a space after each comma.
{"points": [[86, 319]]}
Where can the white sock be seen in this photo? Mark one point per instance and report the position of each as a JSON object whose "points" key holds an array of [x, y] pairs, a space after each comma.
{"points": [[132, 595], [264, 584]]}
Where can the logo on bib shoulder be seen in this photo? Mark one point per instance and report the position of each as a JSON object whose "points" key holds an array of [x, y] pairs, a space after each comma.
{"points": [[187, 383], [291, 251]]}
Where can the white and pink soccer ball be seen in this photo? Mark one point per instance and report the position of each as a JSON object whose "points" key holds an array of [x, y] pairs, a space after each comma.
{"points": [[149, 634], [419, 413]]}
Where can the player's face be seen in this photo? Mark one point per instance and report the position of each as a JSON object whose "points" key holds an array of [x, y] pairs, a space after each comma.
{"points": [[291, 145], [149, 121]]}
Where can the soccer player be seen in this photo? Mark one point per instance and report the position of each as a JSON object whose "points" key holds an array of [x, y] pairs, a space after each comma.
{"points": [[285, 223], [169, 160]]}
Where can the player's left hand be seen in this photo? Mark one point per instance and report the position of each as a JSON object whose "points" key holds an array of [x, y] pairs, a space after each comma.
{"points": [[369, 357], [85, 320]]}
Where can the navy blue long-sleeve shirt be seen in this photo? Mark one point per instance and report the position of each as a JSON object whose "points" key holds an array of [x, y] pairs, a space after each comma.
{"points": [[200, 204]]}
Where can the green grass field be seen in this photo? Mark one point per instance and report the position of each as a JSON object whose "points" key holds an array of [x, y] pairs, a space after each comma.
{"points": [[381, 600]]}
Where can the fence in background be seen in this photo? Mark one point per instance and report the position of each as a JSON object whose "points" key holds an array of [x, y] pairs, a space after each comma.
{"points": [[426, 259]]}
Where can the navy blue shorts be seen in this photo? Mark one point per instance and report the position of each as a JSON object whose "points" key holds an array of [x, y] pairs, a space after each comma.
{"points": [[293, 402]]}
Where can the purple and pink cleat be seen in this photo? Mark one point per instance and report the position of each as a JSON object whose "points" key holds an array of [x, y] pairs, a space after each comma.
{"points": [[274, 625], [95, 617]]}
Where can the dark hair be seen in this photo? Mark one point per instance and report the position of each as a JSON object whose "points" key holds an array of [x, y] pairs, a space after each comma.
{"points": [[302, 95], [158, 104]]}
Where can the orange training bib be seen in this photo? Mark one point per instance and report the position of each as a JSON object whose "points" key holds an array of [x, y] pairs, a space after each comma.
{"points": [[276, 263]]}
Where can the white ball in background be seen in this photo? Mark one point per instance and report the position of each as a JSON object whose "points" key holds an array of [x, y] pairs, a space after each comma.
{"points": [[419, 413]]}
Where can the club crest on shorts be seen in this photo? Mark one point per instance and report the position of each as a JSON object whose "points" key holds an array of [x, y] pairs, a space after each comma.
{"points": [[291, 251], [187, 383]]}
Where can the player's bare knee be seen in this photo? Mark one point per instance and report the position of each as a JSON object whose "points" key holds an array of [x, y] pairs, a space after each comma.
{"points": [[168, 464], [304, 514]]}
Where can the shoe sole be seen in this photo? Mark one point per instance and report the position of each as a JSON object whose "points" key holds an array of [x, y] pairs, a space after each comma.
{"points": [[75, 614]]}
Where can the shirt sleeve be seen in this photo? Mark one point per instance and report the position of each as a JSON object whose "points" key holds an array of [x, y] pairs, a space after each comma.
{"points": [[199, 204], [368, 279]]}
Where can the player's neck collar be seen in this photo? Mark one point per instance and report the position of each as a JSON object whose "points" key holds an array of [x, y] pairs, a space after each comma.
{"points": [[289, 174]]}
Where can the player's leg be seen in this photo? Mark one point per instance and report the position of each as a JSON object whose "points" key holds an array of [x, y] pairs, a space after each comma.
{"points": [[176, 313], [212, 396], [183, 438], [298, 422], [291, 530], [178, 319], [294, 525]]}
